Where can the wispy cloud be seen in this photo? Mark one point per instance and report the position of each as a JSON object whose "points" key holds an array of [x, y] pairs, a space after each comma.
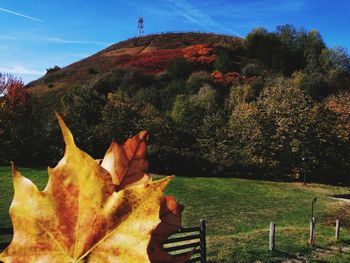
{"points": [[19, 14], [265, 8], [67, 41], [21, 70], [196, 16]]}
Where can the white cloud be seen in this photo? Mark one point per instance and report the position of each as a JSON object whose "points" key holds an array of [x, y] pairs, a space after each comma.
{"points": [[21, 70], [67, 41], [19, 14], [194, 15]]}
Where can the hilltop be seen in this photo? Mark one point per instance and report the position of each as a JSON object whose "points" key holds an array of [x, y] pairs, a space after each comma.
{"points": [[149, 53]]}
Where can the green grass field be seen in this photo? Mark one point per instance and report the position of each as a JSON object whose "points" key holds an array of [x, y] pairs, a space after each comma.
{"points": [[238, 213]]}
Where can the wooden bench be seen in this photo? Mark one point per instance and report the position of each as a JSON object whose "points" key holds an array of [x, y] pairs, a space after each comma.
{"points": [[185, 240]]}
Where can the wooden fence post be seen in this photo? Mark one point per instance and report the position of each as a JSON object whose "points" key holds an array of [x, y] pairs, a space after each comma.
{"points": [[272, 236], [312, 233], [203, 242], [337, 229]]}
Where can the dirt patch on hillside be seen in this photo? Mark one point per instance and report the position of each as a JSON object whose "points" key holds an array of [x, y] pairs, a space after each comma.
{"points": [[122, 51]]}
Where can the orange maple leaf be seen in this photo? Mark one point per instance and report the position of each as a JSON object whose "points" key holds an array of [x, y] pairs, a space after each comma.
{"points": [[80, 217]]}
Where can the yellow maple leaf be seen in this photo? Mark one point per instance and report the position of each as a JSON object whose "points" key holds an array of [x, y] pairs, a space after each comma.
{"points": [[80, 217]]}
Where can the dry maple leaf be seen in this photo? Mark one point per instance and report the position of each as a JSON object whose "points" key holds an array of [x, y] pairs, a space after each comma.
{"points": [[79, 217]]}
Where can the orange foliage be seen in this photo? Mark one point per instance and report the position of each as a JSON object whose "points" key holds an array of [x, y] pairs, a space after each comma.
{"points": [[201, 53], [340, 104], [153, 62], [229, 78]]}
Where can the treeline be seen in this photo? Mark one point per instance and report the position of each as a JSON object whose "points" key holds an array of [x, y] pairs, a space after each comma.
{"points": [[277, 107]]}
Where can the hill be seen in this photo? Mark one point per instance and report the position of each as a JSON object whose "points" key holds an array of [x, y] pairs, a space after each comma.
{"points": [[149, 53], [238, 213], [274, 104]]}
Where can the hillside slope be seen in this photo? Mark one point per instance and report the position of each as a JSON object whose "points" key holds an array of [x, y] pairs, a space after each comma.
{"points": [[139, 52]]}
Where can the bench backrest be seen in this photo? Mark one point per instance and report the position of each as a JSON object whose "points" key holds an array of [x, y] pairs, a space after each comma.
{"points": [[189, 239]]}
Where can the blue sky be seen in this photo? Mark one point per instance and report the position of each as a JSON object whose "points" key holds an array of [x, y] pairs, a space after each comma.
{"points": [[38, 34]]}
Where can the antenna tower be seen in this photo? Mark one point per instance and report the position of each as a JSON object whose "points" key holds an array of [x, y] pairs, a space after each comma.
{"points": [[140, 26]]}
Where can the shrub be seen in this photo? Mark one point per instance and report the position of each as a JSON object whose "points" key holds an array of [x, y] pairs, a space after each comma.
{"points": [[251, 70], [199, 54], [224, 63], [108, 82], [52, 70], [92, 71], [198, 79], [178, 68], [154, 62]]}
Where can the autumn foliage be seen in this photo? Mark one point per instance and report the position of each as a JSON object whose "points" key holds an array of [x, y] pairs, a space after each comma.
{"points": [[201, 54], [153, 62], [13, 89], [229, 78], [91, 212], [340, 104]]}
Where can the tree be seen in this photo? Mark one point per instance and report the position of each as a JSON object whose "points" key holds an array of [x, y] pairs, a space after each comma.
{"points": [[294, 127], [287, 34], [82, 108], [244, 141], [265, 46], [183, 112], [336, 58], [197, 79], [135, 80], [206, 99], [178, 68], [53, 69], [240, 94], [119, 119], [313, 51], [293, 48], [223, 63], [21, 136], [109, 82], [251, 70], [213, 144], [13, 90], [170, 91]]}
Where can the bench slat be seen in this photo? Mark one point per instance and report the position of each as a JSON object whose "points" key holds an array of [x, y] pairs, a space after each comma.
{"points": [[189, 229], [176, 248], [179, 239], [196, 259]]}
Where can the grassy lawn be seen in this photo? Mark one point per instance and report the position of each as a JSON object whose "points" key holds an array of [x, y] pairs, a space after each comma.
{"points": [[238, 213]]}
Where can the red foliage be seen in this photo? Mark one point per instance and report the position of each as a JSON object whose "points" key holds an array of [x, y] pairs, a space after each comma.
{"points": [[13, 89], [229, 78], [218, 76], [121, 60], [154, 62], [201, 53]]}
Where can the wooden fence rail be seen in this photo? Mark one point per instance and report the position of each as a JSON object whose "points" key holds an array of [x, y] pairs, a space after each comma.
{"points": [[185, 240]]}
